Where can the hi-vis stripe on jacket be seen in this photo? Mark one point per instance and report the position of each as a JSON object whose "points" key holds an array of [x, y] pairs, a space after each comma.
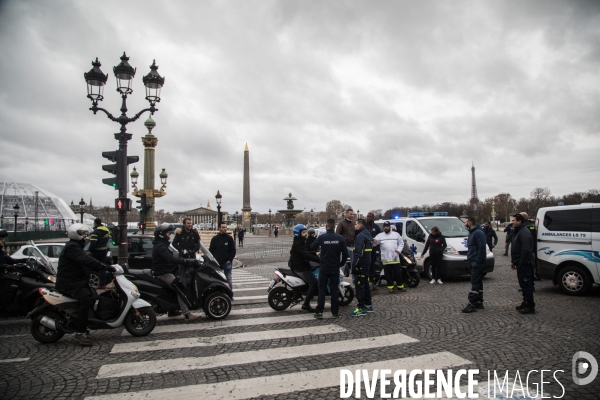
{"points": [[389, 243]]}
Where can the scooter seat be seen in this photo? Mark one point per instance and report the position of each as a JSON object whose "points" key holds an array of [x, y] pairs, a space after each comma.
{"points": [[288, 272], [148, 272]]}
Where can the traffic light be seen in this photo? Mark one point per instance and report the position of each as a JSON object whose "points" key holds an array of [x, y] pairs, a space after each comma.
{"points": [[114, 157], [143, 209], [114, 234], [142, 202], [142, 226], [121, 179]]}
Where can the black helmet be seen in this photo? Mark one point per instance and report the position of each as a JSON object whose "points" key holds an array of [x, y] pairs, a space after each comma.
{"points": [[3, 233], [161, 230]]}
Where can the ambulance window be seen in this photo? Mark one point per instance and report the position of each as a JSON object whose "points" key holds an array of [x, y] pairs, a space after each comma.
{"points": [[569, 220], [595, 219], [414, 231], [399, 227]]}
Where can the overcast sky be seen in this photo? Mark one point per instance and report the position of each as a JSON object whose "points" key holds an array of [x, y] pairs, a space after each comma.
{"points": [[375, 103]]}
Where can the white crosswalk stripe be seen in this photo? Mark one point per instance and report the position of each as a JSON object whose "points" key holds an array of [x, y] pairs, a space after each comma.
{"points": [[254, 330]]}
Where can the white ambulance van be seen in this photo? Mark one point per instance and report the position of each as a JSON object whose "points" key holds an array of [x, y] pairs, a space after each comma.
{"points": [[415, 230], [568, 246]]}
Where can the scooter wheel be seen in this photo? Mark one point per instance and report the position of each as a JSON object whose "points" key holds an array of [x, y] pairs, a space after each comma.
{"points": [[345, 295], [142, 324], [217, 306], [43, 334], [413, 279], [280, 298]]}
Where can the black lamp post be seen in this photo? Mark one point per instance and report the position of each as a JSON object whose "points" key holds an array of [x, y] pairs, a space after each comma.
{"points": [[219, 218], [26, 223], [270, 224], [16, 208], [124, 74], [1, 221], [311, 216], [81, 209]]}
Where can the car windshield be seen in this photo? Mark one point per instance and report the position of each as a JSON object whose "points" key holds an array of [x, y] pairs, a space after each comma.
{"points": [[450, 227]]}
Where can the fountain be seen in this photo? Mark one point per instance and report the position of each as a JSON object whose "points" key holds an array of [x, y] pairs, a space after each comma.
{"points": [[289, 214]]}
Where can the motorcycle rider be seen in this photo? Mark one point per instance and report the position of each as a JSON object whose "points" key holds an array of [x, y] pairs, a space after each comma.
{"points": [[333, 255], [311, 237], [163, 262], [391, 244], [187, 242], [71, 277], [98, 243], [300, 258], [363, 245], [5, 259]]}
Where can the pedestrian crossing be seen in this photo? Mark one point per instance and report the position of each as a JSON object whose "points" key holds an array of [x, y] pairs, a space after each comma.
{"points": [[241, 278], [259, 325]]}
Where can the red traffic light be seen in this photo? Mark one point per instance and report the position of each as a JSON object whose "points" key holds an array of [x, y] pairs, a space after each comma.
{"points": [[123, 204]]}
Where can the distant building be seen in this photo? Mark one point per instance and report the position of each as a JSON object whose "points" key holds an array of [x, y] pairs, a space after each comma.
{"points": [[201, 215]]}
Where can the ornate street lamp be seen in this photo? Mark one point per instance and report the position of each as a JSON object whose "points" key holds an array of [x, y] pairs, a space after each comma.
{"points": [[163, 179], [270, 225], [311, 216], [124, 74], [16, 208], [81, 209], [134, 175], [218, 197]]}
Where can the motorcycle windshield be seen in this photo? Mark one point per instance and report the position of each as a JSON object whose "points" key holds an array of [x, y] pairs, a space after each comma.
{"points": [[41, 259], [209, 258]]}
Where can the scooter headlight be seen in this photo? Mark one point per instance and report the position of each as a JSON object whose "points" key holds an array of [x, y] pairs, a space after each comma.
{"points": [[52, 278], [451, 250], [135, 289]]}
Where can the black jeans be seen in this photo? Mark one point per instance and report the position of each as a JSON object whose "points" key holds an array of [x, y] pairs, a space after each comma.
{"points": [[393, 272], [476, 293], [333, 279], [312, 283], [436, 265], [525, 276], [86, 300], [363, 292]]}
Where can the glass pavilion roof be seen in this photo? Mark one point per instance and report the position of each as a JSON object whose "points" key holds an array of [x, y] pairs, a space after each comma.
{"points": [[49, 206]]}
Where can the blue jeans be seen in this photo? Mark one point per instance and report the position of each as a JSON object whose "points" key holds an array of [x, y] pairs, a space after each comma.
{"points": [[227, 268], [476, 293]]}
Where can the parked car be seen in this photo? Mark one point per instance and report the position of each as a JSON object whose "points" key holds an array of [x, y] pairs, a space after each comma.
{"points": [[50, 250]]}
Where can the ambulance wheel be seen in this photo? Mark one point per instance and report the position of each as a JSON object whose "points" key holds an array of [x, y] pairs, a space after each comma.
{"points": [[574, 280], [428, 270]]}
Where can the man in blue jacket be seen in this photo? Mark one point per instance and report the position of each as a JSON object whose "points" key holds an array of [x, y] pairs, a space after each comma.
{"points": [[476, 255], [522, 260], [334, 254], [363, 246]]}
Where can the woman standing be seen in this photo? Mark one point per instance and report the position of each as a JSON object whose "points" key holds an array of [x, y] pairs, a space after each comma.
{"points": [[436, 243]]}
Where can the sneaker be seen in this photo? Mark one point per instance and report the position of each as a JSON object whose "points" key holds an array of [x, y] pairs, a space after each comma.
{"points": [[359, 312], [521, 306], [308, 308], [189, 317], [528, 309], [335, 315], [469, 308], [440, 282], [319, 315], [479, 305], [368, 309], [83, 340], [173, 313], [432, 281]]}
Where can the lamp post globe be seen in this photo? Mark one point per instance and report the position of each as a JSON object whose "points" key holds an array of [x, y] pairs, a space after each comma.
{"points": [[163, 178], [124, 74], [134, 178], [81, 208], [153, 83]]}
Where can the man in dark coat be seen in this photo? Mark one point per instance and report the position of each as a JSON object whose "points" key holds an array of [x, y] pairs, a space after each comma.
{"points": [[522, 260], [222, 247], [476, 257], [98, 248], [300, 258], [363, 246], [490, 235], [187, 242]]}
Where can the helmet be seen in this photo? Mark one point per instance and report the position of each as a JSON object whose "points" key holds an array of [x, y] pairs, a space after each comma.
{"points": [[161, 230], [76, 231], [311, 231], [298, 229]]}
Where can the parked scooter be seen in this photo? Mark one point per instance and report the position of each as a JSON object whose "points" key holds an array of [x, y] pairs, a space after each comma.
{"points": [[293, 289], [19, 284], [56, 314], [410, 274], [206, 287]]}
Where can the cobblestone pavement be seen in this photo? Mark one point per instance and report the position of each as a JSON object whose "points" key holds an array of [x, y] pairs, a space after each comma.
{"points": [[290, 355]]}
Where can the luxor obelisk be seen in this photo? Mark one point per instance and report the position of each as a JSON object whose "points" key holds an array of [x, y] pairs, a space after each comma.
{"points": [[246, 208]]}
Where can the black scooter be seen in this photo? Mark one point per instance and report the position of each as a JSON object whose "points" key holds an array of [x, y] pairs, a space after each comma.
{"points": [[19, 285], [410, 275], [206, 288]]}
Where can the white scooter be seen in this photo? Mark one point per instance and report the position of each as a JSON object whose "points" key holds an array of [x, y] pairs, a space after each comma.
{"points": [[294, 288], [55, 313]]}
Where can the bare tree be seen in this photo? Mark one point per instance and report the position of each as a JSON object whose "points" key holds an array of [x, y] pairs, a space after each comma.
{"points": [[334, 209], [539, 197], [504, 205]]}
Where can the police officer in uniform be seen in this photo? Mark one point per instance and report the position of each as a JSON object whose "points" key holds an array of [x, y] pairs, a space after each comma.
{"points": [[98, 245], [363, 246], [334, 254], [531, 226], [522, 261]]}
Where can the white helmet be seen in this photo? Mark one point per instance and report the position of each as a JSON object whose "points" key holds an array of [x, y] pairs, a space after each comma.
{"points": [[76, 231]]}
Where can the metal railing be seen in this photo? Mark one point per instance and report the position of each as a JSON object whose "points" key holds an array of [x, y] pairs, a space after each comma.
{"points": [[265, 249]]}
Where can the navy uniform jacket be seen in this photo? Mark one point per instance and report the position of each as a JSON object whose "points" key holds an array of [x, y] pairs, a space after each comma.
{"points": [[363, 246], [521, 249], [334, 251], [476, 246]]}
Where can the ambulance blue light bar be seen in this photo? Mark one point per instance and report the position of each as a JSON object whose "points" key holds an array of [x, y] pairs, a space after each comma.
{"points": [[428, 214]]}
